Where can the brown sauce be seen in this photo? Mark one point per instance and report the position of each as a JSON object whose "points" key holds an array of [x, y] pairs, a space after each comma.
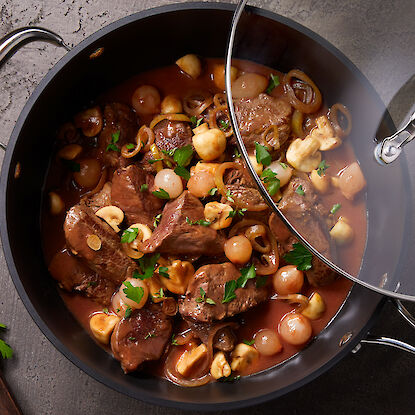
{"points": [[170, 80]]}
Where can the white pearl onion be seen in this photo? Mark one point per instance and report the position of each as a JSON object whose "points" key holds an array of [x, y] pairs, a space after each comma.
{"points": [[283, 174], [168, 180]]}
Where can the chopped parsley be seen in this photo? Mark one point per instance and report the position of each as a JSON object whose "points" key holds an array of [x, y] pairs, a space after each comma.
{"points": [[246, 274], [130, 146], [335, 208], [283, 165], [133, 339], [201, 222], [173, 340], [133, 293], [161, 194], [300, 190], [230, 378], [157, 219], [128, 312], [164, 272], [224, 125], [299, 256], [229, 196], [149, 336], [147, 265], [92, 283], [274, 81], [212, 191], [182, 172], [272, 183], [105, 310], [159, 294], [129, 235], [144, 187], [114, 140], [196, 122], [262, 155], [183, 155], [169, 153], [229, 294], [203, 298], [72, 165], [322, 167], [152, 161], [236, 153], [249, 342], [5, 350], [239, 212]]}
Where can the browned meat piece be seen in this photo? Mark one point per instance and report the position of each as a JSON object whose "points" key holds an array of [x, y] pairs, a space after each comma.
{"points": [[256, 114], [141, 337], [118, 117], [172, 134], [175, 236], [224, 339], [109, 261], [278, 228], [138, 206], [73, 275], [212, 279], [100, 199], [320, 274], [144, 164]]}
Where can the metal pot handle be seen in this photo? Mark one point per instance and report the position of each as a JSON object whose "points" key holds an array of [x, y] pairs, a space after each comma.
{"points": [[13, 41], [387, 341]]}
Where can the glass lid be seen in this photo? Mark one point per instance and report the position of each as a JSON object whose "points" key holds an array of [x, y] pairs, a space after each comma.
{"points": [[323, 152]]}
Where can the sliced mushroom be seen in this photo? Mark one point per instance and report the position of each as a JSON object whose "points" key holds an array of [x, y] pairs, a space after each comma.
{"points": [[303, 155], [113, 215]]}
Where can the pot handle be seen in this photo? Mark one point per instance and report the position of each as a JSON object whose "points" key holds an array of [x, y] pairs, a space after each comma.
{"points": [[13, 41], [387, 341]]}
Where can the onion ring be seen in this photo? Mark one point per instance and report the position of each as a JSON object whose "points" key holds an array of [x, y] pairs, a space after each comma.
{"points": [[335, 121]]}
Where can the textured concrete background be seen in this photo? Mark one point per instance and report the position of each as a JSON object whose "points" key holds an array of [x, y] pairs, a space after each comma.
{"points": [[379, 37]]}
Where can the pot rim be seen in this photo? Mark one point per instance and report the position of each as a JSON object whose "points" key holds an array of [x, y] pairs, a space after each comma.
{"points": [[5, 171]]}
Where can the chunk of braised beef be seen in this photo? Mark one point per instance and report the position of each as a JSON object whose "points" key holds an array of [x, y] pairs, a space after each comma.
{"points": [[170, 135], [138, 204], [73, 275], [176, 236], [109, 261], [121, 124], [255, 115], [212, 279], [142, 336], [224, 339], [100, 199]]}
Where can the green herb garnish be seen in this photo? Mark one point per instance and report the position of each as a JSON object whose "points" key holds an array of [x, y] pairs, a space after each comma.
{"points": [[149, 336], [144, 187], [161, 194], [114, 140], [230, 378], [5, 350], [322, 167], [299, 256], [196, 122], [157, 219], [128, 312], [182, 172], [129, 235], [212, 191], [236, 153], [159, 294], [183, 155], [262, 155], [246, 274], [229, 294], [335, 208], [130, 146], [105, 310], [249, 342], [300, 190], [272, 183], [224, 125], [201, 222], [147, 264], [283, 165], [133, 293], [274, 81], [229, 196], [164, 272], [152, 161], [133, 339], [233, 213], [203, 298], [173, 340]]}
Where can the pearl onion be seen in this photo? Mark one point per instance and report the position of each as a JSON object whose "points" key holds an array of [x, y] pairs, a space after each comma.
{"points": [[146, 100], [200, 184], [238, 249], [288, 280], [249, 85], [283, 174], [168, 180], [135, 282], [267, 342], [295, 329]]}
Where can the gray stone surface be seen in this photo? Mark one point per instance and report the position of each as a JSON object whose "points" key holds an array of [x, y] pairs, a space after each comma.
{"points": [[379, 37]]}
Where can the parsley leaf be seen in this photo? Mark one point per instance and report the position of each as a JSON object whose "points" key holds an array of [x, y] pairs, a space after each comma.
{"points": [[229, 196], [182, 172], [183, 155], [212, 191], [210, 301], [299, 256], [149, 336], [224, 125], [322, 167], [133, 293], [246, 274], [129, 235], [147, 265], [133, 339], [236, 153], [114, 140], [249, 342], [202, 297], [196, 122], [164, 272], [144, 187], [157, 219], [262, 155], [272, 183], [283, 165], [128, 312], [233, 213], [161, 194], [105, 310], [335, 208], [5, 350], [229, 294], [169, 153], [201, 222], [173, 340], [159, 294], [274, 81], [152, 161], [130, 146], [300, 190], [230, 378]]}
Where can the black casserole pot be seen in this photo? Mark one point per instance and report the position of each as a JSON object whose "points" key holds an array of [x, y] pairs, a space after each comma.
{"points": [[138, 43]]}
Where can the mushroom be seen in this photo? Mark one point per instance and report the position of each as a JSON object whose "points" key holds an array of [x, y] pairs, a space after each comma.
{"points": [[321, 183], [93, 242], [132, 249], [209, 143], [342, 232], [179, 273], [102, 325], [324, 132], [70, 152], [315, 307], [190, 358], [171, 105], [303, 155], [242, 356], [56, 203], [220, 367], [113, 215], [90, 121], [190, 64], [218, 215]]}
